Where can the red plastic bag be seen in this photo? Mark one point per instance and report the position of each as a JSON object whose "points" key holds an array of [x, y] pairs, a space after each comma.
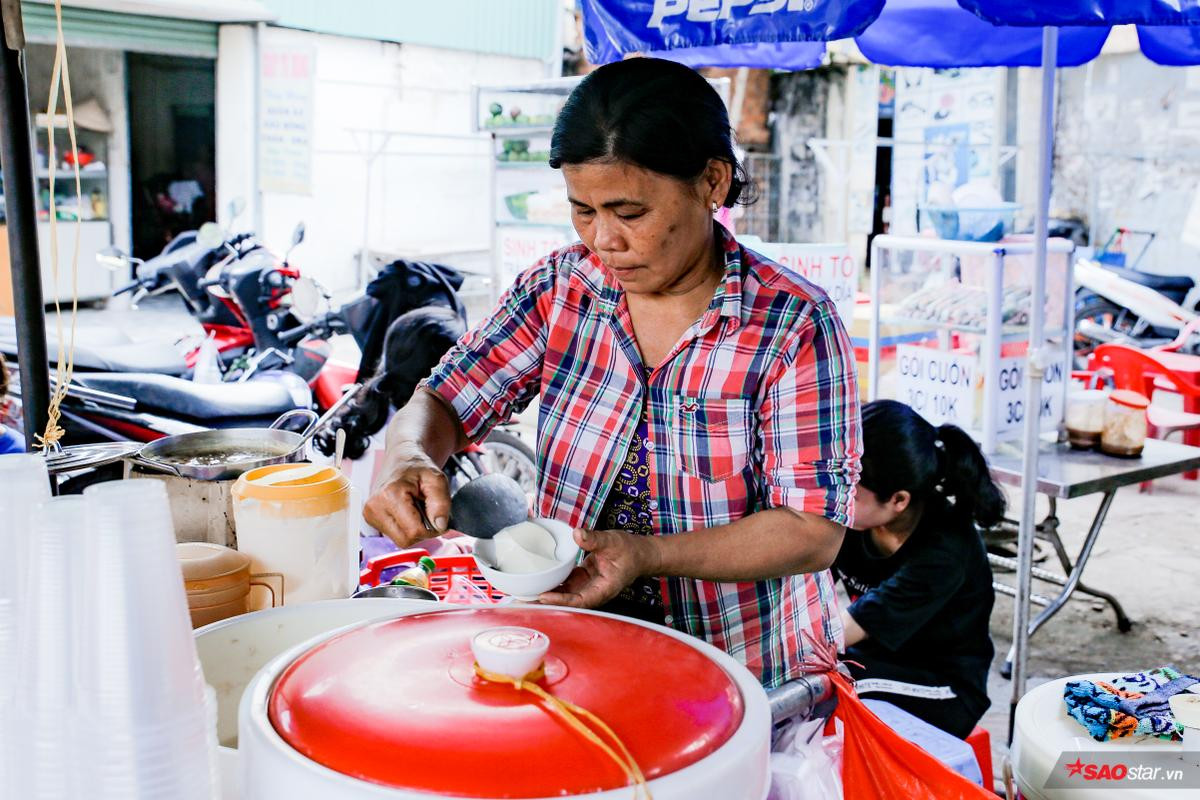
{"points": [[878, 764]]}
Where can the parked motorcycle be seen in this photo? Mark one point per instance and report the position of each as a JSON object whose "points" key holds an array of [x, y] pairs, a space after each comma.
{"points": [[1117, 302]]}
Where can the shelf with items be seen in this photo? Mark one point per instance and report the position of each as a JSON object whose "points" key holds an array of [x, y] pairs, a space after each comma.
{"points": [[1008, 332], [522, 223], [530, 213], [972, 303], [93, 173]]}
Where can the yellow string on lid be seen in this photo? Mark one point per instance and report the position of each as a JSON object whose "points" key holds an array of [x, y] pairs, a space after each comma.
{"points": [[65, 367], [577, 719]]}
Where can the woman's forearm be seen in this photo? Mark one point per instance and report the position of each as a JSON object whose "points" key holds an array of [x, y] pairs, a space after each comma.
{"points": [[426, 424], [852, 631], [767, 544]]}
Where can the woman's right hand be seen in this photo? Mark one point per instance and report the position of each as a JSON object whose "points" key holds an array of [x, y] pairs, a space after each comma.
{"points": [[412, 481]]}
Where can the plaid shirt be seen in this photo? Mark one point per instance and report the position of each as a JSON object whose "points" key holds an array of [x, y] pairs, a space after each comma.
{"points": [[755, 408]]}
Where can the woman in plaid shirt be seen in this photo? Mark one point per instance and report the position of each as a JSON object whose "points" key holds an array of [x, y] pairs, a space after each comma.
{"points": [[698, 415]]}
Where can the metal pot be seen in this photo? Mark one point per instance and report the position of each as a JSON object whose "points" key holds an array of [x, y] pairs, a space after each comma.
{"points": [[224, 454], [397, 591]]}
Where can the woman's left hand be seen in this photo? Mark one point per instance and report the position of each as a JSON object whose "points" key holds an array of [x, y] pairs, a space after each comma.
{"points": [[614, 560]]}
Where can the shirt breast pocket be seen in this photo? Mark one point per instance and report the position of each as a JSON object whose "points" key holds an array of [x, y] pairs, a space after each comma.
{"points": [[712, 437]]}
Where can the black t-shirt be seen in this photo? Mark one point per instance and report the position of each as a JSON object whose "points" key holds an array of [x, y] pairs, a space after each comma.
{"points": [[926, 606]]}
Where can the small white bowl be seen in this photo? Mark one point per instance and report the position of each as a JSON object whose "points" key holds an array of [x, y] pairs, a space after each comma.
{"points": [[529, 585]]}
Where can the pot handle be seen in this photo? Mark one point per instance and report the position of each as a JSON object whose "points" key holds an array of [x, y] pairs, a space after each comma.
{"points": [[307, 413], [276, 599], [157, 466]]}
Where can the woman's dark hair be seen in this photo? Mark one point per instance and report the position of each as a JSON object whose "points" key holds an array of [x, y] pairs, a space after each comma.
{"points": [[651, 113], [414, 344], [940, 467]]}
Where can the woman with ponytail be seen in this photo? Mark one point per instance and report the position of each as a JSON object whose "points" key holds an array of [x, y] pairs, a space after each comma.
{"points": [[916, 570]]}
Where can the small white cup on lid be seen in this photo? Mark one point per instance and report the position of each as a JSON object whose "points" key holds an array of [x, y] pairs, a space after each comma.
{"points": [[512, 651]]}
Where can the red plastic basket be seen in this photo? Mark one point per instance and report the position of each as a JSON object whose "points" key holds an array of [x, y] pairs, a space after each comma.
{"points": [[456, 580]]}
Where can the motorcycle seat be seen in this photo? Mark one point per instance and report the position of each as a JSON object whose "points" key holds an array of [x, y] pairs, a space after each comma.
{"points": [[209, 404], [1175, 287], [137, 357], [100, 349]]}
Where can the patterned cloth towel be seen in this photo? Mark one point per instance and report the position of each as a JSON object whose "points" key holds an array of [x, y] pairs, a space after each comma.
{"points": [[1132, 705]]}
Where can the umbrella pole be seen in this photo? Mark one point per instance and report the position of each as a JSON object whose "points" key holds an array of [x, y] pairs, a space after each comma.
{"points": [[1033, 385], [16, 157]]}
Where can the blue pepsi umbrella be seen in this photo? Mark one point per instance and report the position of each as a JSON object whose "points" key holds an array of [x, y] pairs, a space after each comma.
{"points": [[921, 33], [1105, 13]]}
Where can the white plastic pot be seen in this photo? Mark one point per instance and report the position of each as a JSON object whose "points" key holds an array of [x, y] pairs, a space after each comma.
{"points": [[232, 651], [271, 768]]}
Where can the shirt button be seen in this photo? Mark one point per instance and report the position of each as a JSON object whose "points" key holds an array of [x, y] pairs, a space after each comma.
{"points": [[649, 444], [652, 505], [669, 619]]}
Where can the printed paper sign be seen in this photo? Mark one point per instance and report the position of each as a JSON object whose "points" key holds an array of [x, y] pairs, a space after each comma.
{"points": [[940, 386], [521, 248], [829, 266], [286, 131], [1011, 398]]}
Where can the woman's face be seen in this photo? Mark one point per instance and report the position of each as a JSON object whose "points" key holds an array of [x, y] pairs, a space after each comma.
{"points": [[650, 230], [871, 512]]}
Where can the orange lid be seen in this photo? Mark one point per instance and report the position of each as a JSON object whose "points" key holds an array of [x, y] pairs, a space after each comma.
{"points": [[1129, 399], [397, 703], [202, 561], [300, 481]]}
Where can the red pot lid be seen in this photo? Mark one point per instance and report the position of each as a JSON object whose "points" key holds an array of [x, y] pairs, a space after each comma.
{"points": [[397, 703]]}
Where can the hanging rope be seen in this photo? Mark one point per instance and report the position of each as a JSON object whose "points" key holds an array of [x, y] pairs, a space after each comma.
{"points": [[577, 719], [65, 367]]}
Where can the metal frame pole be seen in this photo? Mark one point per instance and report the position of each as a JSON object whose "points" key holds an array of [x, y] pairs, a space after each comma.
{"points": [[1033, 372], [16, 159]]}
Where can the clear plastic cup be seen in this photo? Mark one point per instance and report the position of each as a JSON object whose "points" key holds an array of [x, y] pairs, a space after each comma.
{"points": [[171, 762], [138, 659], [24, 484], [41, 737], [141, 712]]}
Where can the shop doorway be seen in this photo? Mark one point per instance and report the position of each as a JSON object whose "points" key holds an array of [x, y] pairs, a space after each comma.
{"points": [[172, 142]]}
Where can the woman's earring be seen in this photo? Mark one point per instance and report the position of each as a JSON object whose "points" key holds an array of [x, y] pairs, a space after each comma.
{"points": [[714, 206]]}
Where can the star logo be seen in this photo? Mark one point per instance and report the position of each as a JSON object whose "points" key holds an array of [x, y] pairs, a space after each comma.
{"points": [[1075, 769]]}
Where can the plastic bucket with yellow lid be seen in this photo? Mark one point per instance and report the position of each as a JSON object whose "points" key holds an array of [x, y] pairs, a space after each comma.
{"points": [[300, 520]]}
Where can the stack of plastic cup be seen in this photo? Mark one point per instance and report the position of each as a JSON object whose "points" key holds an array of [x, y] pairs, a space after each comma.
{"points": [[24, 483], [141, 692], [44, 747]]}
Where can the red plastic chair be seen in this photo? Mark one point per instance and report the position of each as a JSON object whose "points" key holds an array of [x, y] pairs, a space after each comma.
{"points": [[981, 742], [1189, 330], [1140, 371]]}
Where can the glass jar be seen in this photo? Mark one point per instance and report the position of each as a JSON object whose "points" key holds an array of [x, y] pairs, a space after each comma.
{"points": [[1124, 424], [1085, 418]]}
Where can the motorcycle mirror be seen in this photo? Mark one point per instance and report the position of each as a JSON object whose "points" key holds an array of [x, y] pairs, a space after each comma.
{"points": [[306, 299], [210, 236], [113, 259], [298, 234], [236, 207]]}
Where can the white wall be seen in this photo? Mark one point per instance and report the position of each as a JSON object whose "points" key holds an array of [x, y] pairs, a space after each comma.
{"points": [[428, 189], [235, 121], [1127, 153]]}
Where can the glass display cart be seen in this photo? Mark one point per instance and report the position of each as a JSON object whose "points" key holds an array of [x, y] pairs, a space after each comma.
{"points": [[957, 315]]}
